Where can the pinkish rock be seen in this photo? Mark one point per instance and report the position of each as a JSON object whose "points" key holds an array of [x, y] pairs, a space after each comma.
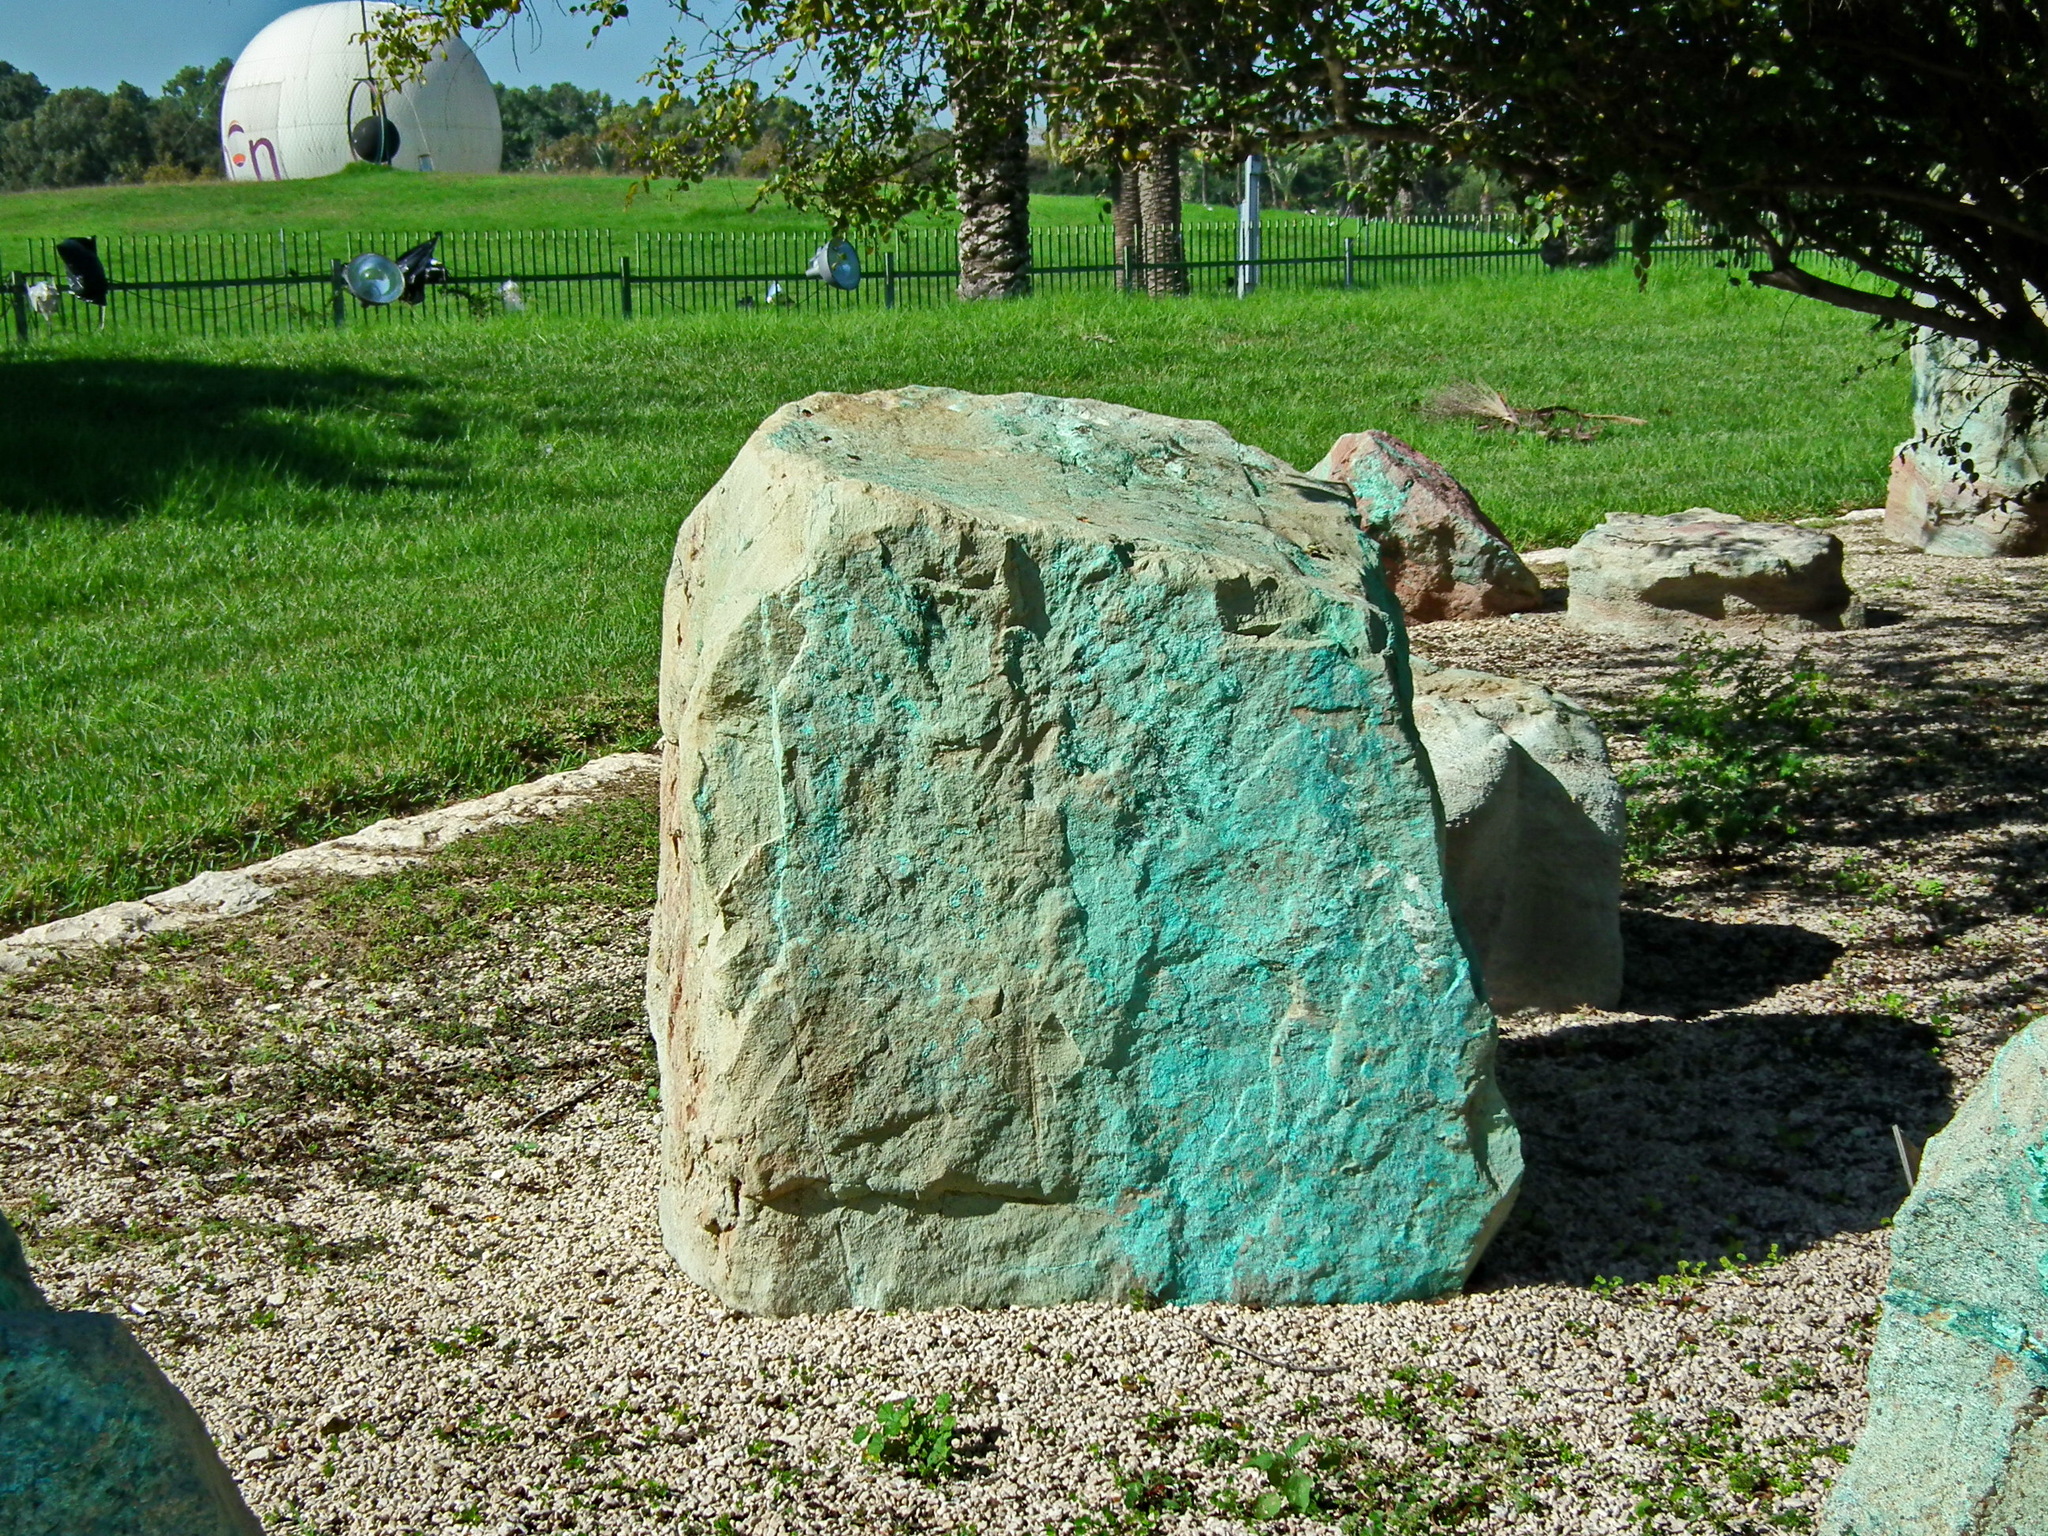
{"points": [[1441, 554]]}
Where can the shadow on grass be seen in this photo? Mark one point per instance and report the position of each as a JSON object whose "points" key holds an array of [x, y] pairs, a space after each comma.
{"points": [[1653, 1141], [109, 437]]}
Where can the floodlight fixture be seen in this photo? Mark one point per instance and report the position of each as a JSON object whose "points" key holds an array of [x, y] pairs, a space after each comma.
{"points": [[375, 280], [87, 279], [420, 269], [836, 263], [378, 280]]}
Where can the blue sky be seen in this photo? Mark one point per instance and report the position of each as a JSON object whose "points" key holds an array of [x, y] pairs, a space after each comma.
{"points": [[102, 42]]}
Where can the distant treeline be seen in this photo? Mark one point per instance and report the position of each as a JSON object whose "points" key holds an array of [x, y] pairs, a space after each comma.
{"points": [[81, 137]]}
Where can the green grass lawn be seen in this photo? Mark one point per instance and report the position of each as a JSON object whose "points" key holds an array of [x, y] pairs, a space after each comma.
{"points": [[373, 197], [252, 591]]}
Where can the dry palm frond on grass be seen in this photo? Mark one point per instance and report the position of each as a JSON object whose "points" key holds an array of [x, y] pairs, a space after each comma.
{"points": [[1488, 410]]}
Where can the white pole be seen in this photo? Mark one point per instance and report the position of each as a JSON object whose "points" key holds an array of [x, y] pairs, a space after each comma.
{"points": [[1248, 225]]}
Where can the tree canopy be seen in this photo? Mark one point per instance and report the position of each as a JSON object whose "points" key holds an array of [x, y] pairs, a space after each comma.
{"points": [[1880, 153], [80, 137]]}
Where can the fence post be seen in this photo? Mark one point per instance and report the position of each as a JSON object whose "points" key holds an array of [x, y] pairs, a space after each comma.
{"points": [[888, 280], [340, 294], [1249, 225], [18, 286], [1131, 267], [625, 287], [1350, 258]]}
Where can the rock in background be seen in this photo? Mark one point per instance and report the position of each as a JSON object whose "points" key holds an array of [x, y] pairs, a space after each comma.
{"points": [[1050, 898], [1973, 481], [1704, 569], [1533, 829], [1957, 1440], [94, 1439], [1441, 554]]}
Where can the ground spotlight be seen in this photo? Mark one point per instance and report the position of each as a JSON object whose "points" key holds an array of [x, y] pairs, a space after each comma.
{"points": [[378, 280], [88, 279], [837, 264]]}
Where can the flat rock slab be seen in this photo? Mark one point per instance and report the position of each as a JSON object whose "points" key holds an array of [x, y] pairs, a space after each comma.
{"points": [[1051, 901], [1533, 830], [1443, 557], [1709, 570], [1957, 1439], [393, 843]]}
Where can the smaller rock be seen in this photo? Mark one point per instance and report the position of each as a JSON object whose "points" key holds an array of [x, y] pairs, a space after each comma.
{"points": [[98, 1442], [1533, 830], [1551, 567], [1705, 569], [94, 1439], [1973, 479], [1864, 515], [18, 1289], [1442, 556], [1957, 1439], [1928, 507]]}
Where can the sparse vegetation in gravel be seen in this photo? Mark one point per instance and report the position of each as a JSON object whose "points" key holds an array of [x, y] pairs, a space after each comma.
{"points": [[1727, 752], [372, 1174]]}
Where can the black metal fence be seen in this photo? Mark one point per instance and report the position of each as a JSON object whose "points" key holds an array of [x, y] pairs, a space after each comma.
{"points": [[255, 284]]}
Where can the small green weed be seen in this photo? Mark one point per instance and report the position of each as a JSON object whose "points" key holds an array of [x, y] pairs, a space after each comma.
{"points": [[916, 1441], [1729, 741]]}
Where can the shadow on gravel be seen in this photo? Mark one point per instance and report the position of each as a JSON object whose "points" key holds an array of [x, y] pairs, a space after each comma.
{"points": [[1680, 967], [1653, 1141]]}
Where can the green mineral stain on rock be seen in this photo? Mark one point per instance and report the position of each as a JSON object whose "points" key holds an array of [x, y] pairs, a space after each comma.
{"points": [[1052, 899], [1955, 1444]]}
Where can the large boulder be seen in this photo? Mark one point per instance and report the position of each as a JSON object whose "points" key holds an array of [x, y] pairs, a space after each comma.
{"points": [[1441, 554], [94, 1439], [1973, 480], [1533, 829], [1957, 1439], [1050, 900], [1709, 570]]}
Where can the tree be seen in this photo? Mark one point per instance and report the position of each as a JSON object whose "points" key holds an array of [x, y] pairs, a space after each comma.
{"points": [[184, 120], [20, 93], [1905, 138], [867, 154], [539, 115]]}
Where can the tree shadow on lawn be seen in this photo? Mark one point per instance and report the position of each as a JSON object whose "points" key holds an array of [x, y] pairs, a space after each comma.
{"points": [[1650, 1141], [109, 438]]}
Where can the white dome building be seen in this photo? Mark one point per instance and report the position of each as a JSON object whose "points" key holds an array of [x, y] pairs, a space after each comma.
{"points": [[302, 91]]}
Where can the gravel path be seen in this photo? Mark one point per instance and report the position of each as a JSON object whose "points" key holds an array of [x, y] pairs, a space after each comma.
{"points": [[371, 1174]]}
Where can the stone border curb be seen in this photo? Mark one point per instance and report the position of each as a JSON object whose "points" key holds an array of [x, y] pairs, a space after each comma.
{"points": [[393, 843]]}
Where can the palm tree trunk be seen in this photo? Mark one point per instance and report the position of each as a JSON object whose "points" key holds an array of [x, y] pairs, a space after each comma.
{"points": [[992, 181], [1166, 270], [1127, 219]]}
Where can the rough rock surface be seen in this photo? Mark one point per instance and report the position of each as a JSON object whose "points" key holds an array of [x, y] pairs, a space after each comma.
{"points": [[1957, 1441], [1704, 569], [1533, 829], [18, 1291], [385, 845], [1050, 899], [94, 1440], [1441, 554], [1973, 480]]}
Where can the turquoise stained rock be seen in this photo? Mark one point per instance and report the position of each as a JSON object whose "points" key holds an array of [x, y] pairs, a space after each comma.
{"points": [[94, 1439], [1051, 899], [1957, 1439]]}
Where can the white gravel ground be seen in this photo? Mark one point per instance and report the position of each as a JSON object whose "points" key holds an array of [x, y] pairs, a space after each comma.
{"points": [[340, 1171]]}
